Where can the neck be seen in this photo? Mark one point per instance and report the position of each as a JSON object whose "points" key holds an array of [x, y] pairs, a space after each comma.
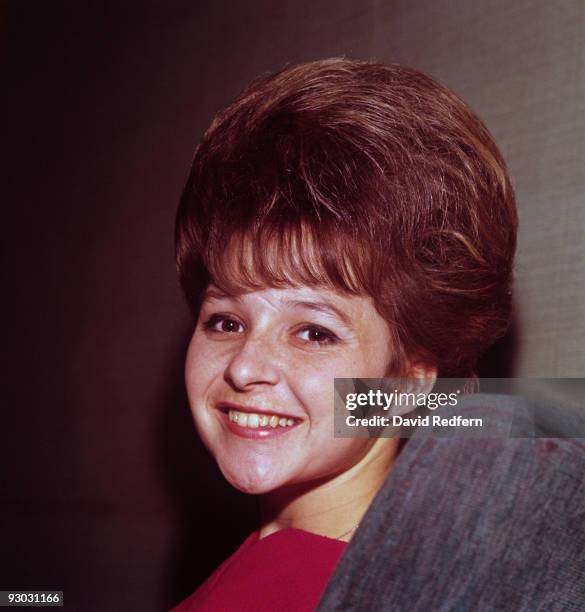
{"points": [[332, 506]]}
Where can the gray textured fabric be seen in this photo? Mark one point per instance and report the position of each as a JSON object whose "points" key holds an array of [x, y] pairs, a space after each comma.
{"points": [[463, 524]]}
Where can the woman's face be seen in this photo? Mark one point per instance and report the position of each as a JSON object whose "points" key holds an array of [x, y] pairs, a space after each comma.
{"points": [[259, 374]]}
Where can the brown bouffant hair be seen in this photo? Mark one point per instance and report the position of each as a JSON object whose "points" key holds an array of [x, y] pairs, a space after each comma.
{"points": [[368, 178]]}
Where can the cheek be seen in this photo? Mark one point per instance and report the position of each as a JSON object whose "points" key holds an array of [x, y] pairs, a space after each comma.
{"points": [[314, 375], [311, 381], [201, 368], [202, 372]]}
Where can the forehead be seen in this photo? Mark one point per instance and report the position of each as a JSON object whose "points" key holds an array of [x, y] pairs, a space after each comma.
{"points": [[291, 295]]}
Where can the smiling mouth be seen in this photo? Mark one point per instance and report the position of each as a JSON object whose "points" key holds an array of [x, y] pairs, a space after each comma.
{"points": [[245, 420], [254, 421]]}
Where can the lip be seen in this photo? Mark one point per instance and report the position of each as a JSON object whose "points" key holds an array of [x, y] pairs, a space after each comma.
{"points": [[259, 433], [227, 406]]}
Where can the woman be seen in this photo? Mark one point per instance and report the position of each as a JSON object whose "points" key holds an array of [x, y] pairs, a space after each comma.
{"points": [[342, 219]]}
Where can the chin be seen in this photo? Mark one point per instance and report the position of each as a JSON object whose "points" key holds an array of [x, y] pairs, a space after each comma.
{"points": [[252, 481], [252, 486]]}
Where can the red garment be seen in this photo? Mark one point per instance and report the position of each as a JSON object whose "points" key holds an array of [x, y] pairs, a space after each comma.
{"points": [[287, 570]]}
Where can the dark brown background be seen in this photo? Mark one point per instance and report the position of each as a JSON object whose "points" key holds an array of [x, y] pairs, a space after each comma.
{"points": [[105, 491]]}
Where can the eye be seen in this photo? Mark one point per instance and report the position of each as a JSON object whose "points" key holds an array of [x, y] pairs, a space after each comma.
{"points": [[223, 324], [313, 334]]}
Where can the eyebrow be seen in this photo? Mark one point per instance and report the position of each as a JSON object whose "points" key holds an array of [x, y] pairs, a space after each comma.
{"points": [[318, 306], [218, 294]]}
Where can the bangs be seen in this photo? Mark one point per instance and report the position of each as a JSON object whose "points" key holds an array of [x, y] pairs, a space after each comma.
{"points": [[293, 255]]}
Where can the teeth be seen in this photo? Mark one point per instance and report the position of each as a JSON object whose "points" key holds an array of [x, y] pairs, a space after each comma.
{"points": [[245, 419]]}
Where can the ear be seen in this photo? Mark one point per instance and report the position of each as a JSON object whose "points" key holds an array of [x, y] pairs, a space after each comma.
{"points": [[422, 376]]}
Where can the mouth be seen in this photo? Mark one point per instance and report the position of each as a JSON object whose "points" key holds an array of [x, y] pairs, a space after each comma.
{"points": [[250, 422]]}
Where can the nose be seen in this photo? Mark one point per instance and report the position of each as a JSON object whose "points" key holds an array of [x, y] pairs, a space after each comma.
{"points": [[254, 364]]}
